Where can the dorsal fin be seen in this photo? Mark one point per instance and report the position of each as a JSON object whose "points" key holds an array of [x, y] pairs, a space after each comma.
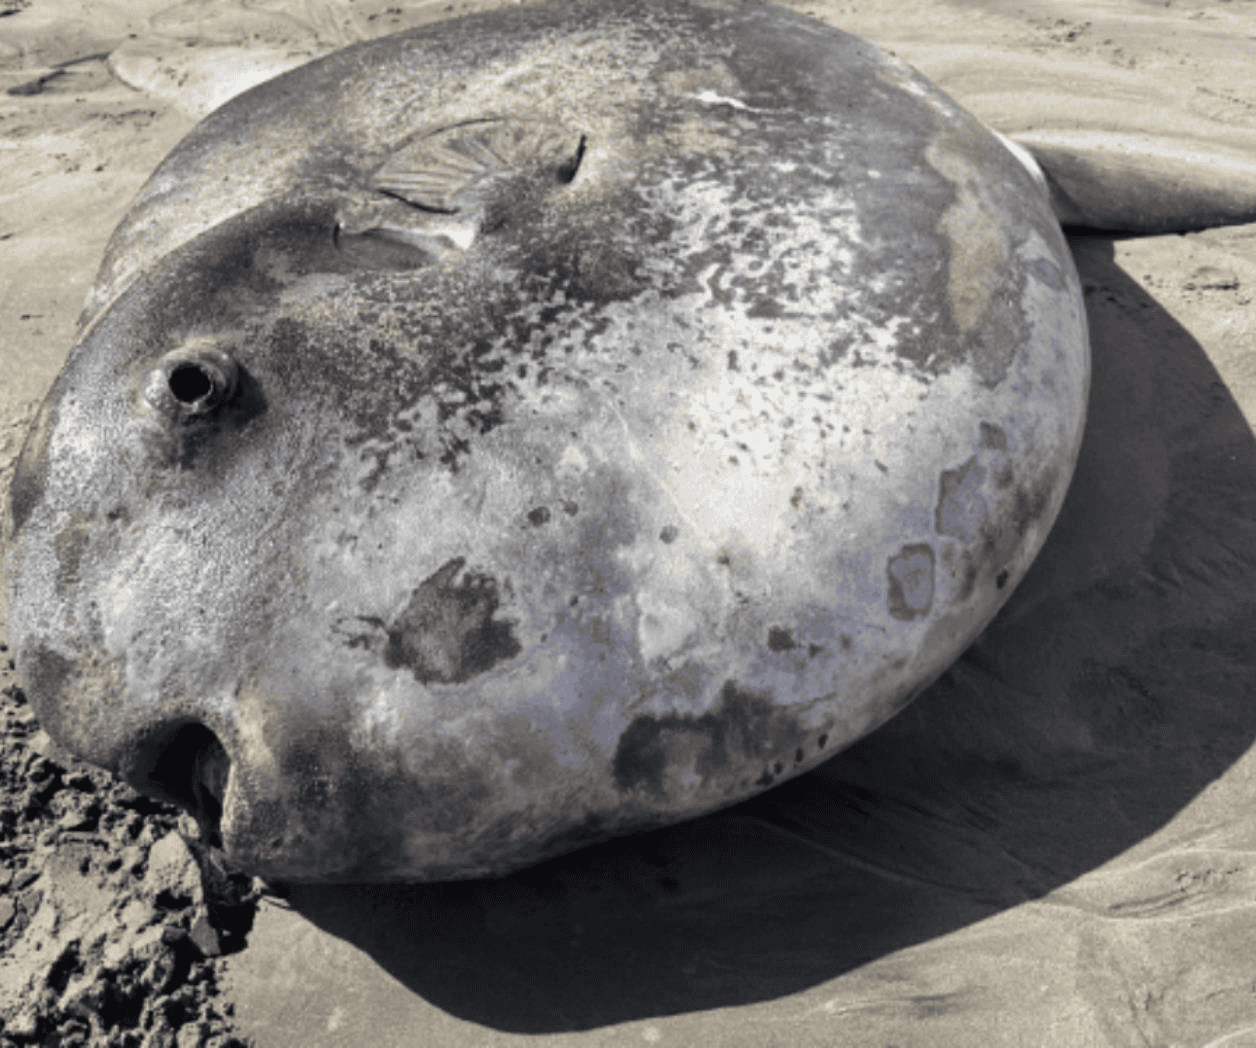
{"points": [[441, 169]]}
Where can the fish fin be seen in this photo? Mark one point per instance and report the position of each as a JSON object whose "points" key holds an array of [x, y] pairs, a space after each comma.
{"points": [[1143, 184], [437, 171]]}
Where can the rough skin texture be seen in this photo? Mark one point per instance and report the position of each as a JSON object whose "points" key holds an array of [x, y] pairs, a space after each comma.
{"points": [[639, 413]]}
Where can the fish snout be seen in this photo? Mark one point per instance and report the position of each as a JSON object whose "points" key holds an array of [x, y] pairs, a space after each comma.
{"points": [[191, 382]]}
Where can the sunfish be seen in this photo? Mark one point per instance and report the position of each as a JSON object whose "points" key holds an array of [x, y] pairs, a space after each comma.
{"points": [[539, 427]]}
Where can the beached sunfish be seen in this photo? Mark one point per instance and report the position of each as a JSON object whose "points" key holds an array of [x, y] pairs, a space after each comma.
{"points": [[540, 427]]}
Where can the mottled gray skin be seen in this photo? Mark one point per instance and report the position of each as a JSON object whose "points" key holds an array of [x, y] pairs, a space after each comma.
{"points": [[698, 428]]}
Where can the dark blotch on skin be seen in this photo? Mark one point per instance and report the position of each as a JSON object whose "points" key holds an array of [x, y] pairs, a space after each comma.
{"points": [[539, 516], [961, 507], [447, 634], [1031, 504], [571, 508], [342, 799], [1048, 272], [669, 533], [910, 574], [970, 579], [744, 728], [380, 249], [765, 309], [993, 437], [780, 639], [586, 270], [70, 544]]}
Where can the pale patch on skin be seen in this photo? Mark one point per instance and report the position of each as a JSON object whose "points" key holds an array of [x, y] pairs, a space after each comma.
{"points": [[667, 625], [830, 218], [573, 459], [252, 717], [435, 233], [670, 593], [714, 85], [387, 714], [976, 235], [712, 98]]}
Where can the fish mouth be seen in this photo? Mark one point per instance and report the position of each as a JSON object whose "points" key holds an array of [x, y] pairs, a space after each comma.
{"points": [[183, 762]]}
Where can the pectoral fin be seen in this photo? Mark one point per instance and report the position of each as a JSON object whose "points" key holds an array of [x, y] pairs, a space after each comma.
{"points": [[442, 170]]}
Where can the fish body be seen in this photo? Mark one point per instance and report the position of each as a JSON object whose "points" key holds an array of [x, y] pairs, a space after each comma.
{"points": [[540, 427]]}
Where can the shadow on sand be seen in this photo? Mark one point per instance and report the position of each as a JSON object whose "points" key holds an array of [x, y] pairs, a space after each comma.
{"points": [[1115, 685]]}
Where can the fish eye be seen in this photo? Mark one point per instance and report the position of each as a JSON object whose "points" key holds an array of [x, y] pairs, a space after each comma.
{"points": [[191, 381]]}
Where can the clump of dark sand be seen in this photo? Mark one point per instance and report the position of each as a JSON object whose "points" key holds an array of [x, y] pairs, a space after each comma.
{"points": [[112, 911]]}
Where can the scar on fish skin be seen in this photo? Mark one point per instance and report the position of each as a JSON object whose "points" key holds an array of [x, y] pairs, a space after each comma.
{"points": [[744, 731], [910, 574], [447, 633]]}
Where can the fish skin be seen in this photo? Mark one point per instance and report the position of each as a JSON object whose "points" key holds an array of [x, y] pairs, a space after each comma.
{"points": [[281, 143], [730, 398]]}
